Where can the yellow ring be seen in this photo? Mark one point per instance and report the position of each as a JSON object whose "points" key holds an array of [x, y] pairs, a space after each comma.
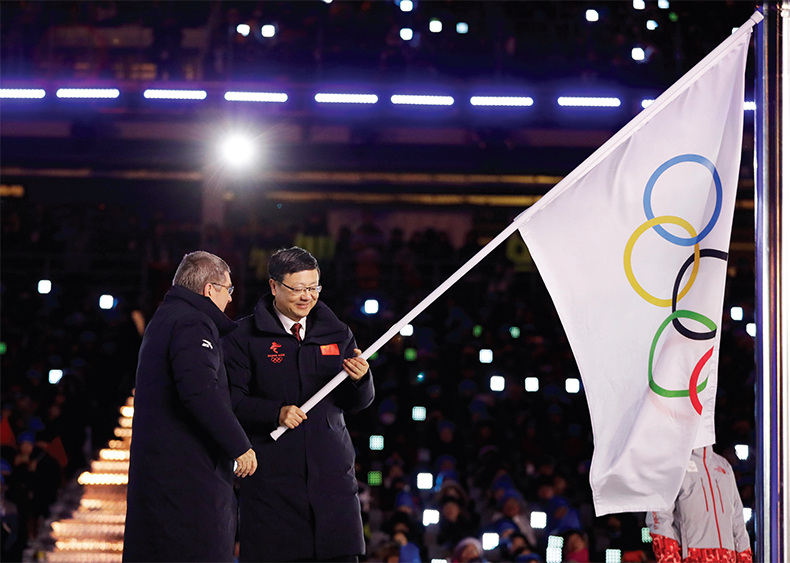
{"points": [[629, 247]]}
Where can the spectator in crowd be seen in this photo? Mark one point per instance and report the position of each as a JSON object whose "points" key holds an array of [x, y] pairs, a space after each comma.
{"points": [[303, 505], [185, 433]]}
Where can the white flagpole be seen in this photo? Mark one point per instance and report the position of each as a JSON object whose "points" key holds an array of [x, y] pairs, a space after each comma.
{"points": [[772, 257]]}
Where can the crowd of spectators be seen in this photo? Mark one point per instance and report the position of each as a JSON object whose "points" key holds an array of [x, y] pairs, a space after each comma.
{"points": [[495, 457], [506, 41]]}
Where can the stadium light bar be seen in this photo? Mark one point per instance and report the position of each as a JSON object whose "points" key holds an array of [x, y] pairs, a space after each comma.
{"points": [[401, 99], [736, 313], [435, 26], [243, 29], [44, 286], [55, 375], [406, 33], [531, 384], [638, 54], [425, 481], [22, 93], [406, 6], [155, 94], [750, 106], [462, 28], [591, 15], [490, 541], [88, 93], [430, 517], [639, 4], [407, 330], [572, 385], [268, 30], [742, 451], [326, 98], [588, 102], [520, 101], [278, 97], [497, 383], [651, 25]]}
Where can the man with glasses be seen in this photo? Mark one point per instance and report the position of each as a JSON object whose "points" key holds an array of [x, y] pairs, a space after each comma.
{"points": [[180, 500], [302, 504]]}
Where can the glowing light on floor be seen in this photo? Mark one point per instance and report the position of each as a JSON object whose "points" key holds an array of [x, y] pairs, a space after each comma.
{"points": [[405, 99], [328, 98], [88, 93], [589, 102], [156, 94], [22, 93], [511, 101], [272, 97]]}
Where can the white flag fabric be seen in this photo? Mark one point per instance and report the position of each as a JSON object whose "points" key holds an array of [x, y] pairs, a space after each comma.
{"points": [[632, 246]]}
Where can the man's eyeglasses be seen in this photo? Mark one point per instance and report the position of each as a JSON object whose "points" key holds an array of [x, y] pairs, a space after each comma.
{"points": [[228, 287], [313, 290]]}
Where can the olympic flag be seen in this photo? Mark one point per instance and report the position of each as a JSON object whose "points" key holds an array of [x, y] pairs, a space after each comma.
{"points": [[632, 246]]}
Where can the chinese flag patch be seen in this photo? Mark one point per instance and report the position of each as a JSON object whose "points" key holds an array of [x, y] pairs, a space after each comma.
{"points": [[330, 350]]}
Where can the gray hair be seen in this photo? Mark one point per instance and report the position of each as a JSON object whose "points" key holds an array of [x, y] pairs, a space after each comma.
{"points": [[199, 268]]}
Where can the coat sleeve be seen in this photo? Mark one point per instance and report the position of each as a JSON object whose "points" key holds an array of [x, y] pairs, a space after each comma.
{"points": [[196, 361], [739, 533], [254, 413], [353, 396], [666, 545]]}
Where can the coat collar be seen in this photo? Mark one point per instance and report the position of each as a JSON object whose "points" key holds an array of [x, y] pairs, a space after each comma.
{"points": [[322, 320], [205, 305]]}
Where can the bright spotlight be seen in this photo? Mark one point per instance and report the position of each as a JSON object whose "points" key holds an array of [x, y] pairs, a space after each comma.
{"points": [[486, 356], [497, 383], [591, 15], [371, 307], [742, 451], [652, 25], [106, 302], [407, 330], [751, 330], [462, 28], [418, 413], [268, 30], [406, 6], [55, 375], [490, 540], [638, 54], [435, 26], [537, 520], [425, 481], [406, 34], [736, 313], [243, 29], [238, 150], [430, 517], [531, 384], [572, 385], [44, 286]]}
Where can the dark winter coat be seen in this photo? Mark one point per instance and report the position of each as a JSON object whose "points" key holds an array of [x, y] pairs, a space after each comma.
{"points": [[302, 503], [180, 500]]}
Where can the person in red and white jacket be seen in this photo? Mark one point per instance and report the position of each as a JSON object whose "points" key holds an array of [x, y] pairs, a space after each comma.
{"points": [[706, 524]]}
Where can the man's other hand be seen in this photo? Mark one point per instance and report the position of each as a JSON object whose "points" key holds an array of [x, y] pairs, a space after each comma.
{"points": [[246, 463], [356, 367], [291, 416]]}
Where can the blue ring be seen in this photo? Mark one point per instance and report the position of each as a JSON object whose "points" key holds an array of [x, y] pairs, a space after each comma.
{"points": [[716, 211]]}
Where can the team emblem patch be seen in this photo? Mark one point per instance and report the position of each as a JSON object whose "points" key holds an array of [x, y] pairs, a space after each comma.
{"points": [[276, 358], [330, 350]]}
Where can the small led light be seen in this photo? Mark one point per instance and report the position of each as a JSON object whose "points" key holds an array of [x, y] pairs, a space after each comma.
{"points": [[646, 102], [646, 538], [430, 517], [486, 356], [490, 540], [106, 302], [651, 25], [424, 481], [435, 26], [462, 28], [639, 4], [736, 313], [572, 385], [106, 93], [418, 413], [374, 478], [407, 330], [591, 15], [376, 443], [406, 6], [749, 106], [268, 30], [537, 520], [531, 384], [44, 286], [55, 375], [663, 4], [371, 307], [410, 354], [593, 102], [154, 94], [497, 383], [510, 101], [613, 555], [22, 93], [751, 330], [747, 514], [742, 451], [638, 54], [326, 98], [278, 97], [406, 34], [243, 29]]}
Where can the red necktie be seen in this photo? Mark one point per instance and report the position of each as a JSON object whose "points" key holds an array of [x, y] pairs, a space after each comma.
{"points": [[295, 330]]}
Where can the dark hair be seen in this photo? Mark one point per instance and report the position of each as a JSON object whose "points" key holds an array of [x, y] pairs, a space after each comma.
{"points": [[199, 268], [290, 261]]}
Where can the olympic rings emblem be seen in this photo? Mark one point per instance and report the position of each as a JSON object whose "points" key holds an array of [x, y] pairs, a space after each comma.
{"points": [[695, 387]]}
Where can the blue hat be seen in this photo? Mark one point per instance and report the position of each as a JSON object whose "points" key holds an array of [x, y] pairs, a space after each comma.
{"points": [[504, 525], [504, 481], [510, 494], [404, 498], [448, 475], [5, 466], [26, 437]]}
